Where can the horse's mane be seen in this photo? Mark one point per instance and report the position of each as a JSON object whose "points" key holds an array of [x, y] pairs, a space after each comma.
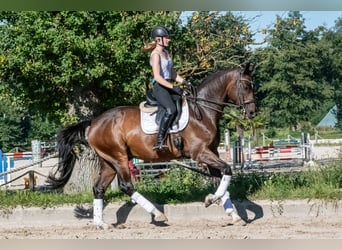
{"points": [[216, 78], [217, 73]]}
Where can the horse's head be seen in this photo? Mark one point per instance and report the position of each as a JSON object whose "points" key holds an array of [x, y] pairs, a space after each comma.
{"points": [[234, 85], [244, 90]]}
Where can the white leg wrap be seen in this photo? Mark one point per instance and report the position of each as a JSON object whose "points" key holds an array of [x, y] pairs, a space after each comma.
{"points": [[97, 210], [227, 203], [222, 188], [235, 216], [143, 202]]}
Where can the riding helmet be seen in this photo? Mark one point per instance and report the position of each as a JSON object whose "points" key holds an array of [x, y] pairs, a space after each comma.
{"points": [[160, 31]]}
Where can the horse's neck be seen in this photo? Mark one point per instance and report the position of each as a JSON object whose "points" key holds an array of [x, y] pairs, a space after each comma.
{"points": [[216, 89], [216, 97], [211, 111]]}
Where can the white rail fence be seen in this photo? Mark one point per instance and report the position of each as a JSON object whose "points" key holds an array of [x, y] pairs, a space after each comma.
{"points": [[243, 155]]}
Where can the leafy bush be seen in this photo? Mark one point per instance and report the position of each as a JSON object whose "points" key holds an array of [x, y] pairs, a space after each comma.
{"points": [[322, 183], [244, 185], [178, 185]]}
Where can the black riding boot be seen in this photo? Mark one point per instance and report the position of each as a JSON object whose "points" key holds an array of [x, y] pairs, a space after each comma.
{"points": [[162, 134]]}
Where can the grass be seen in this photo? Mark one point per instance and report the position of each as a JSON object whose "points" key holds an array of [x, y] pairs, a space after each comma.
{"points": [[290, 187], [182, 185], [324, 183], [27, 198]]}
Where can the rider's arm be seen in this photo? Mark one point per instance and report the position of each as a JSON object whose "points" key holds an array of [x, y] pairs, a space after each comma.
{"points": [[176, 77]]}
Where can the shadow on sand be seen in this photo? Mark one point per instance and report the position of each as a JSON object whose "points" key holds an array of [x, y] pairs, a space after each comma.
{"points": [[122, 214], [244, 206], [244, 209]]}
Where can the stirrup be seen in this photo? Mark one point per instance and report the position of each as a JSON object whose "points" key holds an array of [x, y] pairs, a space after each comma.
{"points": [[160, 147]]}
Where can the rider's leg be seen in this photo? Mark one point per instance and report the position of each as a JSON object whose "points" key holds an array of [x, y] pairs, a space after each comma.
{"points": [[163, 96], [162, 134]]}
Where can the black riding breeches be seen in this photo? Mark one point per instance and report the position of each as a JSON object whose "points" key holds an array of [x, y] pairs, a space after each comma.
{"points": [[164, 97]]}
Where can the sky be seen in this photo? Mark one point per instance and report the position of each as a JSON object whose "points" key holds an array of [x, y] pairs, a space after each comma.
{"points": [[312, 18], [266, 19]]}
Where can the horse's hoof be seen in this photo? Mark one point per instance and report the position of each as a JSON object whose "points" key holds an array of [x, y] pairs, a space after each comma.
{"points": [[102, 226], [160, 218], [238, 221], [210, 199]]}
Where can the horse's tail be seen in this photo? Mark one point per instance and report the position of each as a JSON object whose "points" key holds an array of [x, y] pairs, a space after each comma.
{"points": [[67, 139]]}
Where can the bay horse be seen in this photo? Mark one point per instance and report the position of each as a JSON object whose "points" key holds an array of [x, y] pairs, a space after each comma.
{"points": [[116, 136]]}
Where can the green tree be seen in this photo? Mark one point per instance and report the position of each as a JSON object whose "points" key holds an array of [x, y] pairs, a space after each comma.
{"points": [[42, 129], [333, 67], [235, 120], [290, 83], [13, 120], [72, 65], [212, 40], [66, 66]]}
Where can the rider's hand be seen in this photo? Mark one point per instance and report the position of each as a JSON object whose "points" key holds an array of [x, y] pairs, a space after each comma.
{"points": [[177, 90]]}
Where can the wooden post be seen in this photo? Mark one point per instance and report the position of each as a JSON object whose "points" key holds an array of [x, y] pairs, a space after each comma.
{"points": [[249, 152], [31, 180], [227, 144], [36, 152]]}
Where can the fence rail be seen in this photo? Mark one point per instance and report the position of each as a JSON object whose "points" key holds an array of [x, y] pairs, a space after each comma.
{"points": [[241, 155], [278, 150]]}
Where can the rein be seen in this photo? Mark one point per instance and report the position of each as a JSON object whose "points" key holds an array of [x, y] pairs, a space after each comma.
{"points": [[193, 98]]}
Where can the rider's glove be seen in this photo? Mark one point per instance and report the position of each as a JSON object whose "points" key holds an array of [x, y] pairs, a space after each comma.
{"points": [[177, 90]]}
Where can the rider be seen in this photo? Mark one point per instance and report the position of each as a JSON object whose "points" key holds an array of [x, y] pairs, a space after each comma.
{"points": [[164, 74]]}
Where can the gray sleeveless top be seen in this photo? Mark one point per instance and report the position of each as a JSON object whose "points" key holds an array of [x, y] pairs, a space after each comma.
{"points": [[165, 66]]}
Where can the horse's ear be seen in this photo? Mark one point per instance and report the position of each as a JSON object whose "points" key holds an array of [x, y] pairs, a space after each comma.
{"points": [[249, 68]]}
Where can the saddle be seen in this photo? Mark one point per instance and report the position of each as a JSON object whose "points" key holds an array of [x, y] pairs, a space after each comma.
{"points": [[152, 103], [151, 114]]}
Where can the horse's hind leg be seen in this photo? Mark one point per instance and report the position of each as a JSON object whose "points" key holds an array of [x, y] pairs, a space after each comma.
{"points": [[106, 177]]}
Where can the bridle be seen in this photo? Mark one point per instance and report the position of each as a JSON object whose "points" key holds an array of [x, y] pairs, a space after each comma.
{"points": [[239, 87], [242, 102]]}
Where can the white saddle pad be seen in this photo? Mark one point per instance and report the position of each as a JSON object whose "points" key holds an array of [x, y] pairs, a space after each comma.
{"points": [[148, 120]]}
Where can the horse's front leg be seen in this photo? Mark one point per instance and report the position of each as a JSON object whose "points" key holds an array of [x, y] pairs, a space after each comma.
{"points": [[222, 193], [126, 186], [148, 206]]}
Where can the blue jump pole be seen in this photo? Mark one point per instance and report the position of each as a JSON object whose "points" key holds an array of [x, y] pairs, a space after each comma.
{"points": [[3, 166]]}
